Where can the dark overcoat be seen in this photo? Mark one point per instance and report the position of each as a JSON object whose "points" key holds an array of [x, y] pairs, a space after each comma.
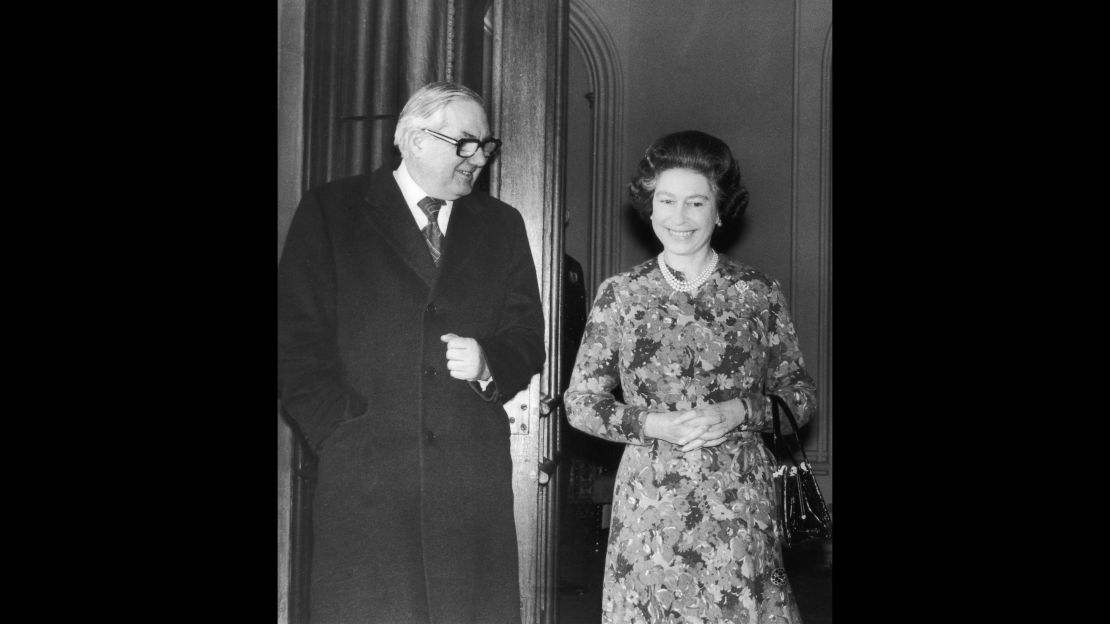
{"points": [[413, 507]]}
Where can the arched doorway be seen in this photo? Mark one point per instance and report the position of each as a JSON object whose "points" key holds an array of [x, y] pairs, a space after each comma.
{"points": [[593, 197]]}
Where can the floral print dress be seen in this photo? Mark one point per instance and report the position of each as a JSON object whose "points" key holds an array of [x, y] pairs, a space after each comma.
{"points": [[694, 537]]}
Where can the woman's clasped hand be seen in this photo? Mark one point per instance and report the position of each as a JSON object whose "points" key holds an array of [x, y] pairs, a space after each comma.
{"points": [[703, 426]]}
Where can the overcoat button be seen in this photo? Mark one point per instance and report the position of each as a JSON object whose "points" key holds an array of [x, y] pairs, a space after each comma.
{"points": [[430, 371], [431, 437], [431, 309]]}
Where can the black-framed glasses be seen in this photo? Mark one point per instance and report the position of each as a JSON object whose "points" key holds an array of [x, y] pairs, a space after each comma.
{"points": [[465, 148]]}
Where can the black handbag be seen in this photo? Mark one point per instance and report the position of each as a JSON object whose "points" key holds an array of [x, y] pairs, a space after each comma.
{"points": [[804, 517]]}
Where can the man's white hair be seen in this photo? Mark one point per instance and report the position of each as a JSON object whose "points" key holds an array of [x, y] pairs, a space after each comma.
{"points": [[425, 108]]}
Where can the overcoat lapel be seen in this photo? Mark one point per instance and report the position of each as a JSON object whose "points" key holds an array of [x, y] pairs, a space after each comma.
{"points": [[386, 212], [464, 235]]}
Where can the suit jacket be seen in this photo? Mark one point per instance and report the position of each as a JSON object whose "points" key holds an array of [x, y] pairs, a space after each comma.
{"points": [[413, 508]]}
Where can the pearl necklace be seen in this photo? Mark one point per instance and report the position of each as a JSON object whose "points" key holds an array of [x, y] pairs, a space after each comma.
{"points": [[684, 285]]}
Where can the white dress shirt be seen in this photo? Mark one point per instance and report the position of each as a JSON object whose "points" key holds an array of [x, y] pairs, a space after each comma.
{"points": [[413, 194]]}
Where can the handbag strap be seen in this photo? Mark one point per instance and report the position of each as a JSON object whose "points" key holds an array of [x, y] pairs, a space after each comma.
{"points": [[776, 401]]}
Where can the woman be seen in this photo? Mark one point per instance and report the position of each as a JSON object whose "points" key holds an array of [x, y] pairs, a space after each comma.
{"points": [[697, 342]]}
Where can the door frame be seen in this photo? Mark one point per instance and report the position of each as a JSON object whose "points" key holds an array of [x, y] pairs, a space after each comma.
{"points": [[528, 110]]}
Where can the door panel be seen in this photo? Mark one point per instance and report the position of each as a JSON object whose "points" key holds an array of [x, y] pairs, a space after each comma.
{"points": [[527, 101]]}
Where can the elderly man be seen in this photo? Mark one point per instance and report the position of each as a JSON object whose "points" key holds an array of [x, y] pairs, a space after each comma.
{"points": [[408, 312]]}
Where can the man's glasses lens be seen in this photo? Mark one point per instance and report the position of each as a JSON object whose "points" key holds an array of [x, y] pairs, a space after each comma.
{"points": [[469, 147], [466, 148]]}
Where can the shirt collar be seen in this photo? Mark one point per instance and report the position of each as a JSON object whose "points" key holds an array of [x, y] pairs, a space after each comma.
{"points": [[413, 194]]}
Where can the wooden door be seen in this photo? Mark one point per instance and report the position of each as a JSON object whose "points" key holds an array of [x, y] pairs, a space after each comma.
{"points": [[527, 100]]}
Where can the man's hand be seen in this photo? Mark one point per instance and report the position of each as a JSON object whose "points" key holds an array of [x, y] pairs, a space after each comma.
{"points": [[465, 359]]}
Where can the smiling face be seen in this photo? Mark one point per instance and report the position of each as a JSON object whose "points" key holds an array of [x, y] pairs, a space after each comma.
{"points": [[683, 212], [433, 163]]}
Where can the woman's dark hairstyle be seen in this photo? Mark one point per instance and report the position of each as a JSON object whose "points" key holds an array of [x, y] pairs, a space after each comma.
{"points": [[697, 151]]}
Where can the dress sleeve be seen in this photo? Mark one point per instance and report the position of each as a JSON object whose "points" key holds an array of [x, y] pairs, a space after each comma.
{"points": [[590, 404], [786, 375]]}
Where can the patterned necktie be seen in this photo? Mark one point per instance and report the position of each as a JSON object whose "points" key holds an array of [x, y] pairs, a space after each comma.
{"points": [[432, 234]]}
